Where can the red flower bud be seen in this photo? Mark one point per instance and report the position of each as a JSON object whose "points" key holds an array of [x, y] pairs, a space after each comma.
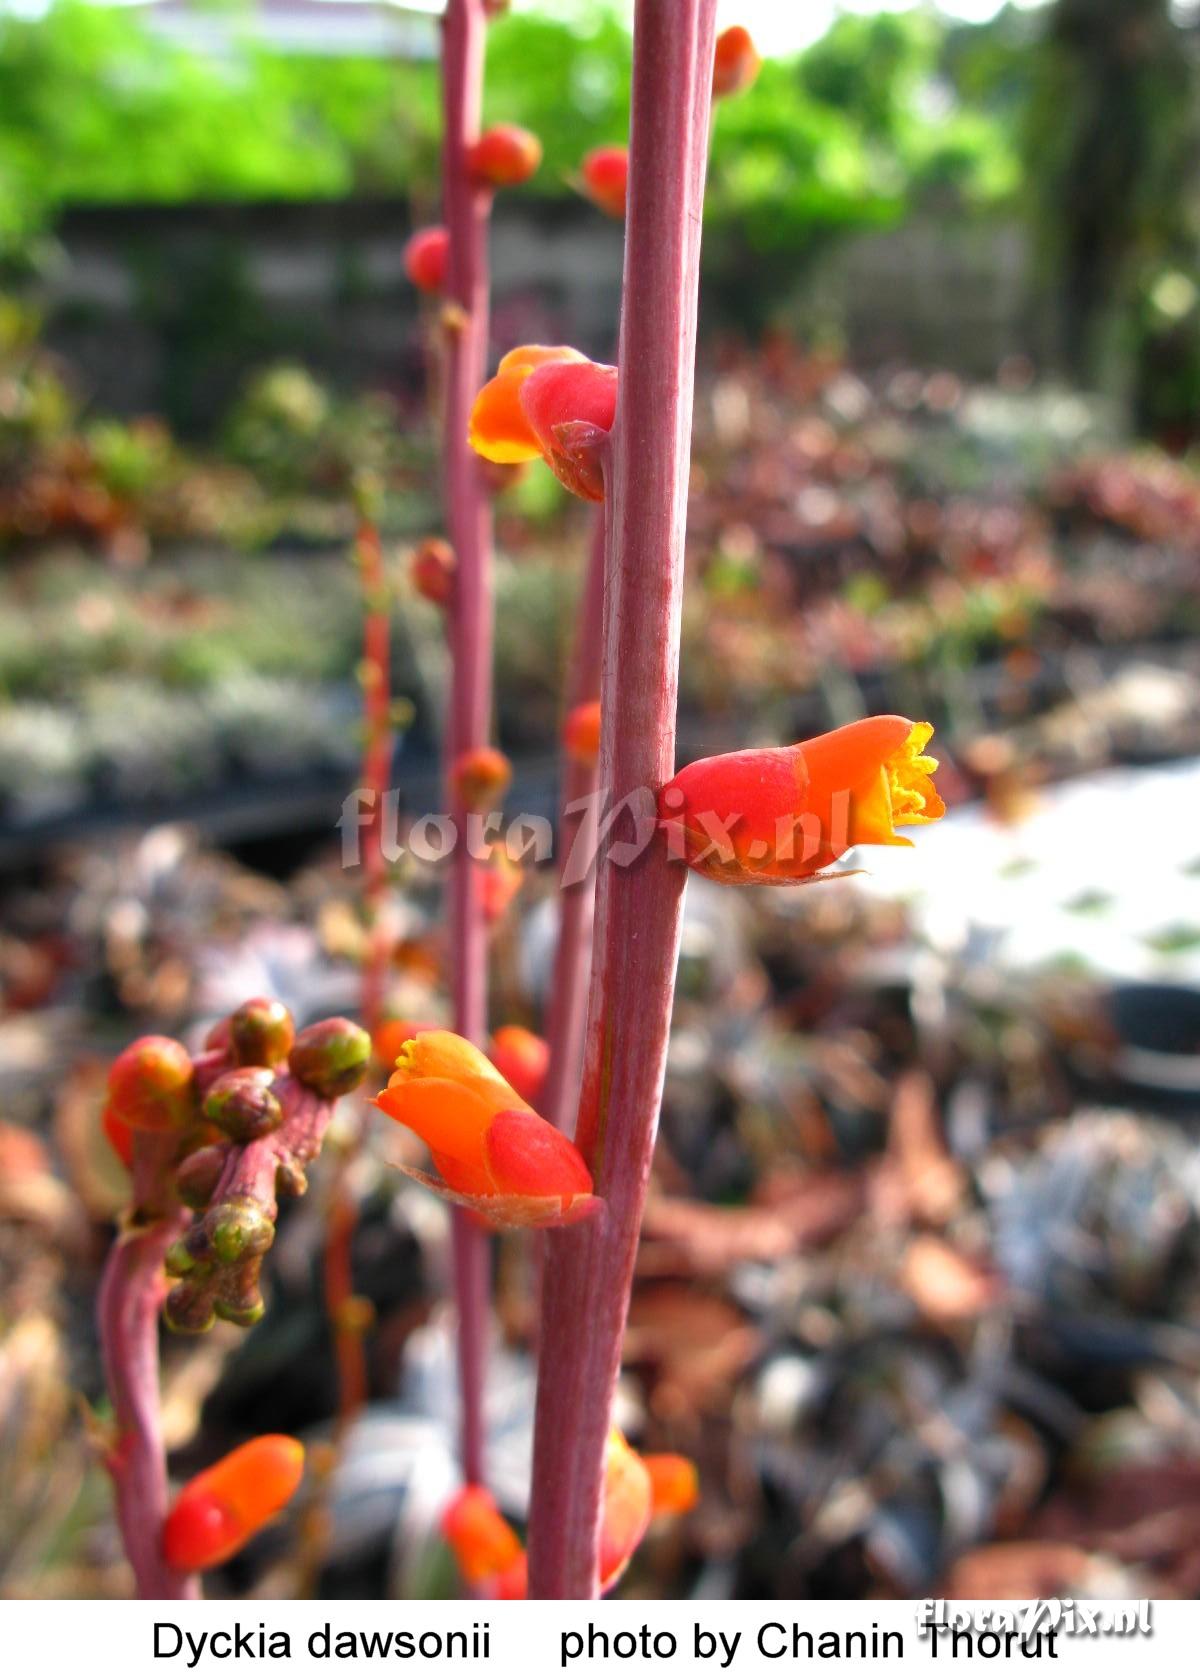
{"points": [[783, 815], [736, 63], [674, 1483], [433, 570], [479, 778], [151, 1085], [552, 402], [581, 733], [426, 258], [605, 174], [494, 1153], [504, 156], [522, 1058], [222, 1508]]}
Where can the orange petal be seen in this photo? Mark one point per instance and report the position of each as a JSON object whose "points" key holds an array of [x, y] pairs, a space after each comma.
{"points": [[570, 407], [511, 1213], [625, 1512], [736, 62], [499, 430]]}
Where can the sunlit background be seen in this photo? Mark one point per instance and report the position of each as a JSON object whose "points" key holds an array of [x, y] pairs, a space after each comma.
{"points": [[918, 1288]]}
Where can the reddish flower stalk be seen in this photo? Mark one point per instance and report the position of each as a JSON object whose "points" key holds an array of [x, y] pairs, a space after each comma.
{"points": [[466, 209], [576, 894], [589, 1268], [131, 1295]]}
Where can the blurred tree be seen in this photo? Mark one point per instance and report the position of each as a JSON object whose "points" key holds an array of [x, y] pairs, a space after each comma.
{"points": [[1111, 150]]}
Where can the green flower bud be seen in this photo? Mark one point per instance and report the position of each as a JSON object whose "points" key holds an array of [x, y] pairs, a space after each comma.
{"points": [[238, 1230], [330, 1058], [243, 1105]]}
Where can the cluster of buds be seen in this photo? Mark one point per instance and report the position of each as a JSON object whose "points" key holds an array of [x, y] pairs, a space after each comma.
{"points": [[493, 1152], [637, 1491], [225, 1135], [222, 1508]]}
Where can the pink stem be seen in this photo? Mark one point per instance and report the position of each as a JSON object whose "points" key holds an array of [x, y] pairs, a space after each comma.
{"points": [[468, 516], [569, 979], [589, 1269], [131, 1292]]}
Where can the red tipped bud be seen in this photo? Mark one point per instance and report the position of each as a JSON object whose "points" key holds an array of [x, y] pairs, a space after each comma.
{"points": [[522, 1058], [222, 1508], [674, 1483], [426, 258], [581, 733], [433, 570], [151, 1085], [605, 174], [504, 156], [479, 778], [494, 1153], [736, 63], [261, 1032], [549, 402], [783, 815]]}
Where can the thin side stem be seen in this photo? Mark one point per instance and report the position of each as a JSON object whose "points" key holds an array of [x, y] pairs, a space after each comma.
{"points": [[466, 212], [576, 895], [589, 1268], [131, 1294]]}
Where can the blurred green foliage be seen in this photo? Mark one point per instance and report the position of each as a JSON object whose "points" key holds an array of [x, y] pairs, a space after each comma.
{"points": [[96, 108]]}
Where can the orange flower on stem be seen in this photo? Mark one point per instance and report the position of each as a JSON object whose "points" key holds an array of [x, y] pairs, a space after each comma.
{"points": [[504, 156], [480, 777], [426, 256], [637, 1490], [522, 1058], [736, 63], [551, 403], [494, 1153], [223, 1507], [783, 815], [581, 733], [605, 173]]}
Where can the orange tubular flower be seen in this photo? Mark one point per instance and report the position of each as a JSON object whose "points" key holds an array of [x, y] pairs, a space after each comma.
{"points": [[783, 815], [151, 1085], [505, 156], [637, 1490], [581, 733], [550, 403], [480, 778], [522, 1058], [495, 1154], [222, 1508], [605, 174], [486, 1548], [426, 256], [736, 63]]}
